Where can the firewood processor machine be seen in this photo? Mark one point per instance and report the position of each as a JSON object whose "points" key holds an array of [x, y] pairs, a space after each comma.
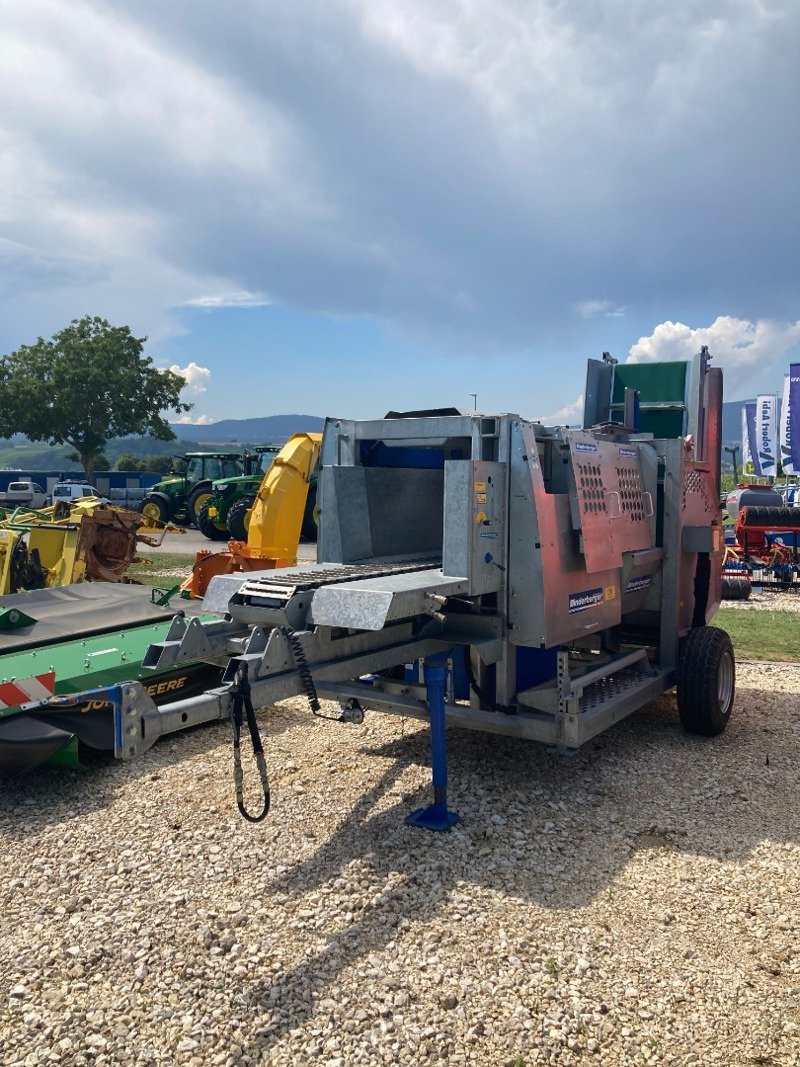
{"points": [[488, 572]]}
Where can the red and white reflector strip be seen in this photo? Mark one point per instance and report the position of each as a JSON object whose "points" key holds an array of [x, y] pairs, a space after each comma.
{"points": [[26, 690]]}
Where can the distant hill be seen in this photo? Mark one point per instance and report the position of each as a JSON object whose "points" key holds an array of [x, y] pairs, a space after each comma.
{"points": [[249, 431], [19, 453]]}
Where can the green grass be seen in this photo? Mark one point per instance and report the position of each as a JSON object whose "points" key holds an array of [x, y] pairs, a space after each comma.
{"points": [[165, 569], [766, 635]]}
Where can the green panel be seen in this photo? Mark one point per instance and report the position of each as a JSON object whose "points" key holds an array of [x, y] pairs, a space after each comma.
{"points": [[656, 382], [659, 423], [87, 662], [66, 756]]}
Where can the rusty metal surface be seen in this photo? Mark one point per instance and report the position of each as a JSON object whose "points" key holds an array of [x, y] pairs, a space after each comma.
{"points": [[107, 543]]}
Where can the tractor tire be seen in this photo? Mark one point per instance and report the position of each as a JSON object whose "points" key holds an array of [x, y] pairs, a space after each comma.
{"points": [[155, 508], [197, 501], [208, 527], [239, 519], [310, 527], [735, 588], [706, 681]]}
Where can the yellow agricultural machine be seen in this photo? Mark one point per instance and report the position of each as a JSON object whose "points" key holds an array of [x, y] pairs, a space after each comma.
{"points": [[274, 522], [87, 540]]}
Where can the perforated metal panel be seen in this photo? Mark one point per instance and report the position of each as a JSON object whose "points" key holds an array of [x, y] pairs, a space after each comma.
{"points": [[593, 465], [699, 505], [635, 505], [611, 508]]}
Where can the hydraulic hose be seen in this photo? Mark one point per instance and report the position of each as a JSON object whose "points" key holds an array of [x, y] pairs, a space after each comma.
{"points": [[242, 702], [303, 669]]}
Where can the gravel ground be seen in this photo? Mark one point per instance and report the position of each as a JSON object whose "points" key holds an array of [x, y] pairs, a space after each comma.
{"points": [[635, 903], [761, 601]]}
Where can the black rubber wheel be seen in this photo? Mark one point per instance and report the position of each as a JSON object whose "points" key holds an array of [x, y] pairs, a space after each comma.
{"points": [[310, 527], [238, 519], [201, 494], [706, 681], [153, 507], [735, 588], [209, 528]]}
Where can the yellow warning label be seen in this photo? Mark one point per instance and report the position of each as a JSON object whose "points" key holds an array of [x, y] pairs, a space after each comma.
{"points": [[480, 487], [481, 498], [609, 592], [481, 517]]}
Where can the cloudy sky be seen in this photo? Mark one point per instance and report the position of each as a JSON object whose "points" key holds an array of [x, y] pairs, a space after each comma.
{"points": [[346, 206]]}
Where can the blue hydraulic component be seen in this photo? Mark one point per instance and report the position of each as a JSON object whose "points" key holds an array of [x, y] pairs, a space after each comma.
{"points": [[489, 558], [436, 816], [461, 674], [413, 673], [535, 665]]}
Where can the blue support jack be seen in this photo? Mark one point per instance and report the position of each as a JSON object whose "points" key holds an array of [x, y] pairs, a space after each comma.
{"points": [[436, 816]]}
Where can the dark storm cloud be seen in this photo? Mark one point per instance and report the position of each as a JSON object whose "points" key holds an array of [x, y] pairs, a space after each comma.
{"points": [[472, 173]]}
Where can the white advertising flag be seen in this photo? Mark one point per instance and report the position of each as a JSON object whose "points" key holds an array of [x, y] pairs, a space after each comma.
{"points": [[746, 456], [767, 435]]}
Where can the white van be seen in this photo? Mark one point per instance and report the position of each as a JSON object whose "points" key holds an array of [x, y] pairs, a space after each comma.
{"points": [[70, 491]]}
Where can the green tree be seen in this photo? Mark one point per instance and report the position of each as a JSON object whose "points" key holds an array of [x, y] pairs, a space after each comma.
{"points": [[158, 463], [86, 385]]}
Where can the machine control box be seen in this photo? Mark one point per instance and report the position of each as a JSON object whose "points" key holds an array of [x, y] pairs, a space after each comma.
{"points": [[475, 523]]}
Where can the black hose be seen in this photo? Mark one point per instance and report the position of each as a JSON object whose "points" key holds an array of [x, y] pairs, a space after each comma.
{"points": [[242, 701], [303, 669]]}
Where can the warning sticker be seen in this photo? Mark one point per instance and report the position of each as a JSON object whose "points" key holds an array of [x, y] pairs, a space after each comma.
{"points": [[581, 601], [610, 592], [481, 498], [480, 487]]}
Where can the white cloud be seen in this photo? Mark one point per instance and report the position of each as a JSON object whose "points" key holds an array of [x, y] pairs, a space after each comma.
{"points": [[197, 379], [194, 420], [589, 309], [739, 346], [240, 299], [568, 415]]}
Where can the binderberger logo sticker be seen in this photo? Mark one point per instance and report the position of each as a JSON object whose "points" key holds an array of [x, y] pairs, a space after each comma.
{"points": [[581, 601], [637, 584]]}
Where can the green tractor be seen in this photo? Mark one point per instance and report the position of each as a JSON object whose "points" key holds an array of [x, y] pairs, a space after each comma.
{"points": [[214, 518], [180, 497], [226, 513]]}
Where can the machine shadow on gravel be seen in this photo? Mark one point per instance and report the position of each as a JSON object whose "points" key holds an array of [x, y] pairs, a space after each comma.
{"points": [[552, 831], [50, 795]]}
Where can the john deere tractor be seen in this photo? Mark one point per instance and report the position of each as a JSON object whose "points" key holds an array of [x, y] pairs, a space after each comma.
{"points": [[214, 518], [180, 497], [226, 514]]}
